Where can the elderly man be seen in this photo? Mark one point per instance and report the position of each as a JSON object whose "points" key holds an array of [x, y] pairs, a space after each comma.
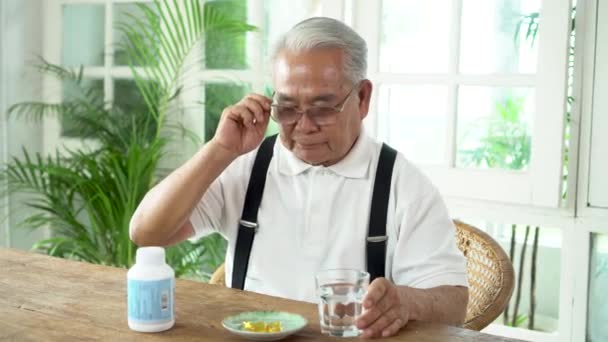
{"points": [[323, 196]]}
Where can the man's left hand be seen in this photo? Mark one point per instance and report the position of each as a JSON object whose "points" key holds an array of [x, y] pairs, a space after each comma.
{"points": [[383, 313]]}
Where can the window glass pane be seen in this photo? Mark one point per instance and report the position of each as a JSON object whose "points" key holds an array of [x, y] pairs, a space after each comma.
{"points": [[597, 329], [494, 127], [413, 120], [493, 36], [415, 36], [83, 35], [536, 259], [130, 109], [127, 96], [122, 14], [227, 50], [82, 98], [217, 97]]}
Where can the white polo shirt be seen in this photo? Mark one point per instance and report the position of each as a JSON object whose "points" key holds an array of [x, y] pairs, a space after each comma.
{"points": [[315, 217]]}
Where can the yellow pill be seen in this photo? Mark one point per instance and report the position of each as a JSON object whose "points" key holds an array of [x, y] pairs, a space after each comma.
{"points": [[262, 326], [254, 326], [274, 327], [247, 325]]}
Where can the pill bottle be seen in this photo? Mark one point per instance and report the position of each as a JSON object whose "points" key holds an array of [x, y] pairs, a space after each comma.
{"points": [[150, 291]]}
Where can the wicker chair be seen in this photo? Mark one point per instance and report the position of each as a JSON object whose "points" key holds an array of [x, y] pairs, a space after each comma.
{"points": [[490, 273], [219, 276]]}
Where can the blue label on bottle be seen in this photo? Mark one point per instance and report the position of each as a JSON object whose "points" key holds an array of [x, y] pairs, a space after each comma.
{"points": [[150, 301]]}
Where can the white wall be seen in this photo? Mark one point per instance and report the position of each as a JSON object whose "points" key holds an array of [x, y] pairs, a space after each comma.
{"points": [[20, 44], [4, 237]]}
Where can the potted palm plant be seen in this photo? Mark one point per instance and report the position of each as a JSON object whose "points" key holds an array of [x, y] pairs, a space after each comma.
{"points": [[86, 196]]}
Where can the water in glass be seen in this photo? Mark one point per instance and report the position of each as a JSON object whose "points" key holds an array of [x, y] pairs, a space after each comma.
{"points": [[340, 303]]}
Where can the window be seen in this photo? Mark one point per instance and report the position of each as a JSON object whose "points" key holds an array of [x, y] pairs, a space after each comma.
{"points": [[598, 282], [90, 39], [82, 33], [468, 90]]}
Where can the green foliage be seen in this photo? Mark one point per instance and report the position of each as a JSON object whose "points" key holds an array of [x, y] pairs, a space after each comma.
{"points": [[217, 97], [504, 138], [227, 50], [224, 52], [87, 196], [520, 321], [530, 22]]}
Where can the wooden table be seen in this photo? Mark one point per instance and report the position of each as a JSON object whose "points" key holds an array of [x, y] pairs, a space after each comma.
{"points": [[51, 299]]}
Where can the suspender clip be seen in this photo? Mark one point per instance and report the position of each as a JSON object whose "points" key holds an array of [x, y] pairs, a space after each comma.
{"points": [[249, 224], [377, 238]]}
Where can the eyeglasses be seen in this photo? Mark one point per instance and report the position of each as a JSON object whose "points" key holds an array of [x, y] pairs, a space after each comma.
{"points": [[320, 115]]}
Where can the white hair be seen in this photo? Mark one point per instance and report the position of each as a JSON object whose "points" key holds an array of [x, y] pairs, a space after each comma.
{"points": [[321, 32]]}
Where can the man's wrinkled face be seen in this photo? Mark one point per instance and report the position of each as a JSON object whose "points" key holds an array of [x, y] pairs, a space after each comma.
{"points": [[312, 83]]}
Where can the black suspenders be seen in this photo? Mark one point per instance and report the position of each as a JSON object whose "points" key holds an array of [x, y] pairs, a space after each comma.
{"points": [[376, 240], [248, 224], [376, 234]]}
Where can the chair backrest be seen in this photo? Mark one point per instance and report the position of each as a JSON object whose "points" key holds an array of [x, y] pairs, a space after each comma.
{"points": [[490, 273], [219, 276]]}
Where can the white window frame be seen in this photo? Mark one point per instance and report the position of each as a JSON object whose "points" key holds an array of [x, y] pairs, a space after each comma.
{"points": [[540, 185], [591, 219], [590, 141]]}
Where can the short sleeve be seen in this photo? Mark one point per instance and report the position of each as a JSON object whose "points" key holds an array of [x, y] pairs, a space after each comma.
{"points": [[220, 207], [426, 254], [206, 216]]}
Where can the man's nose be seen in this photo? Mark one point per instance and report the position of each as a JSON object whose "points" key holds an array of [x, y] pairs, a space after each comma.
{"points": [[306, 124]]}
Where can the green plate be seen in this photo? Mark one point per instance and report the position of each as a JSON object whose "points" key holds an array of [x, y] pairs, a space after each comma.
{"points": [[290, 322]]}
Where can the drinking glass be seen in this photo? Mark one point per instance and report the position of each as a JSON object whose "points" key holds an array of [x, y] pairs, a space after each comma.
{"points": [[341, 293]]}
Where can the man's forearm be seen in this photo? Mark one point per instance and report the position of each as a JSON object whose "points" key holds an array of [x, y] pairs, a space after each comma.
{"points": [[443, 304], [166, 207]]}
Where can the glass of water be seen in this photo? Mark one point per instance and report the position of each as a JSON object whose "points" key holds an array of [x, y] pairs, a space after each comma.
{"points": [[341, 294]]}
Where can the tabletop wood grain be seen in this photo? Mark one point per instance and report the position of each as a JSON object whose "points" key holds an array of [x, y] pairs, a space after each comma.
{"points": [[50, 299]]}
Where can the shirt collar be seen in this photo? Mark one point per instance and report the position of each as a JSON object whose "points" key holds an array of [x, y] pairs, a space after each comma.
{"points": [[354, 165]]}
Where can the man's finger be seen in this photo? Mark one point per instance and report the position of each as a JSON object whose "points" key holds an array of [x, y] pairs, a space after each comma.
{"points": [[256, 108], [383, 322], [263, 100], [370, 315], [375, 292], [393, 328], [243, 114]]}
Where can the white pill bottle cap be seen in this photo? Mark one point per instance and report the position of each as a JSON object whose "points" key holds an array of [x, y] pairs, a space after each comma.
{"points": [[150, 256]]}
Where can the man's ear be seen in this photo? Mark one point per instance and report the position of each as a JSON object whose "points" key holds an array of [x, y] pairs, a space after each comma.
{"points": [[365, 96]]}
